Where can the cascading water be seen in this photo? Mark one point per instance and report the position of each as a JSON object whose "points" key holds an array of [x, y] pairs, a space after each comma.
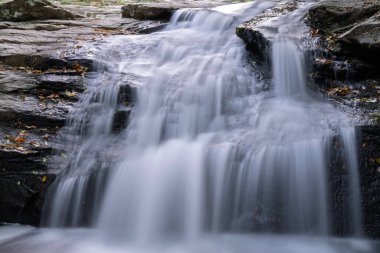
{"points": [[208, 149], [205, 150]]}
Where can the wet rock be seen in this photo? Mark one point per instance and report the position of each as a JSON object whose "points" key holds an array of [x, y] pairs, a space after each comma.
{"points": [[258, 33], [61, 83], [120, 120], [44, 68], [15, 81], [22, 10], [28, 110], [370, 179], [22, 193]]}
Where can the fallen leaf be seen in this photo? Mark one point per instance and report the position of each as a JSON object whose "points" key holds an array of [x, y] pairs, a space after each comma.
{"points": [[70, 94], [19, 139]]}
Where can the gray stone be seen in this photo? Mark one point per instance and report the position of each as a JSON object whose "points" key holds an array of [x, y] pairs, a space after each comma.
{"points": [[149, 11], [353, 27], [335, 15], [24, 10], [162, 10]]}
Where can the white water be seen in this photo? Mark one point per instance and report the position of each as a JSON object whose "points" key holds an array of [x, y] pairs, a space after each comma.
{"points": [[208, 149]]}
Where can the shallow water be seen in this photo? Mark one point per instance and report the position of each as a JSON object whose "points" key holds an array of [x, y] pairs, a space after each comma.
{"points": [[27, 240]]}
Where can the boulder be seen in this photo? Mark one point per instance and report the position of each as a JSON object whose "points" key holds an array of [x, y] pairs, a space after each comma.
{"points": [[353, 27], [161, 11], [335, 15], [363, 40], [149, 11], [25, 10]]}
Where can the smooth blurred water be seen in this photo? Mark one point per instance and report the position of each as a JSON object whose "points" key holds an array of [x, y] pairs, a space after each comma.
{"points": [[209, 148], [84, 240]]}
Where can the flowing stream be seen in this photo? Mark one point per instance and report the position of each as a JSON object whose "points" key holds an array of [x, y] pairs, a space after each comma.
{"points": [[212, 150]]}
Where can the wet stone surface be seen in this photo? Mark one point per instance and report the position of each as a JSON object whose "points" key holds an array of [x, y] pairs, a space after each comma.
{"points": [[44, 65]]}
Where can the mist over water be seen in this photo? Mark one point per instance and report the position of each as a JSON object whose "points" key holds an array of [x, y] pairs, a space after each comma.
{"points": [[209, 149]]}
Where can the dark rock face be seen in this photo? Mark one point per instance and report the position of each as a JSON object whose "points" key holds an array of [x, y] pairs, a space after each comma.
{"points": [[31, 113], [370, 179], [334, 15], [369, 165], [353, 27], [149, 11], [45, 66], [163, 10], [24, 10], [24, 178]]}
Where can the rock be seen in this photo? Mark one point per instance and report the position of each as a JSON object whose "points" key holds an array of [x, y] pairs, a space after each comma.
{"points": [[44, 68], [335, 15], [28, 110], [370, 179], [258, 33], [22, 191], [15, 81], [120, 120], [24, 10], [61, 83], [363, 40], [349, 31], [48, 27], [161, 10], [26, 169], [4, 26], [149, 11], [348, 35]]}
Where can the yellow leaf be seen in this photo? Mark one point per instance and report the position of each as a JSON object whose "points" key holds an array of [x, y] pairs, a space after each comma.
{"points": [[70, 94], [43, 179]]}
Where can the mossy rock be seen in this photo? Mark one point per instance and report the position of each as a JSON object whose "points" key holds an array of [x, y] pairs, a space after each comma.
{"points": [[25, 10]]}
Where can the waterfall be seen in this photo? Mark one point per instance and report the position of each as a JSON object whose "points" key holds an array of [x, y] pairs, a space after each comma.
{"points": [[288, 69], [208, 148]]}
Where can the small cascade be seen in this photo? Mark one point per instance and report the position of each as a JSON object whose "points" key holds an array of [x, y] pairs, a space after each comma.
{"points": [[348, 137], [290, 85], [88, 133], [288, 69], [208, 148]]}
